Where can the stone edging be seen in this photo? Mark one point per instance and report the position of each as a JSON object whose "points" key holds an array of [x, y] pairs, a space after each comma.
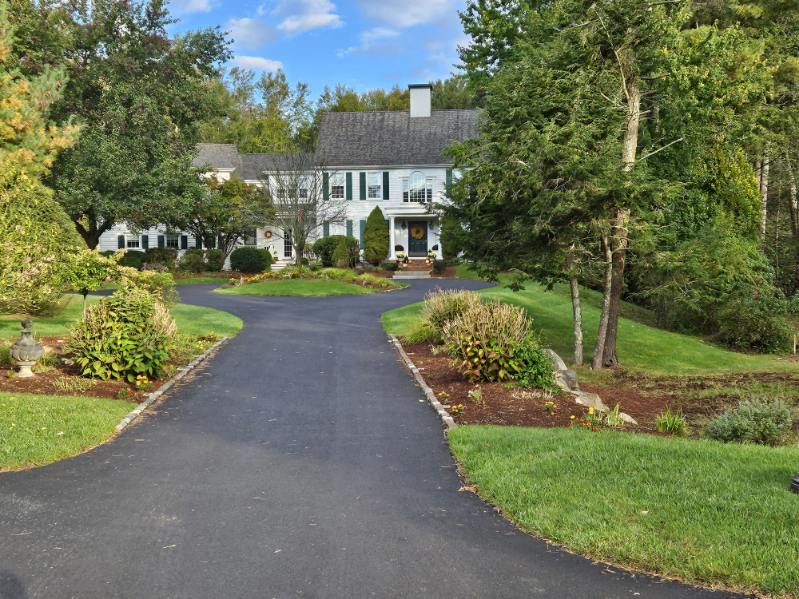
{"points": [[182, 372], [445, 416]]}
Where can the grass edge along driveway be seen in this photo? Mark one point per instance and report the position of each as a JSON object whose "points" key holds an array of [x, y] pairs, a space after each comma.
{"points": [[298, 287], [641, 346], [649, 503], [40, 429]]}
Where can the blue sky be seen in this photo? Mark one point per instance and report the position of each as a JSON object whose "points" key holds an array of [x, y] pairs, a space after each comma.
{"points": [[360, 43]]}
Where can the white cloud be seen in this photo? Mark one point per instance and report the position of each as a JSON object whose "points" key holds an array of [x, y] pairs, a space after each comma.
{"points": [[407, 13], [249, 33], [298, 16], [257, 63], [191, 6], [372, 40]]}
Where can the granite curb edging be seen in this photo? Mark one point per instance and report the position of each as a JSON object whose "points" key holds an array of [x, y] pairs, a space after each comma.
{"points": [[152, 397], [445, 416]]}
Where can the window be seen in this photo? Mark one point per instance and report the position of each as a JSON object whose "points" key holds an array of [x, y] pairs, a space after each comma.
{"points": [[417, 188], [287, 243], [374, 186], [132, 242], [172, 241], [303, 193], [337, 186], [250, 237]]}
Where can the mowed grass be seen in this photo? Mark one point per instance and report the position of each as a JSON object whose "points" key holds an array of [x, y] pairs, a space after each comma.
{"points": [[641, 345], [698, 510], [192, 320], [40, 429], [298, 287]]}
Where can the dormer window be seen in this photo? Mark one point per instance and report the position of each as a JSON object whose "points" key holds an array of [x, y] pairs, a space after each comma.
{"points": [[417, 188]]}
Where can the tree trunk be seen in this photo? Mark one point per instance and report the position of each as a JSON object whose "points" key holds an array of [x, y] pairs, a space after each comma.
{"points": [[577, 317], [599, 348], [620, 234], [619, 242], [764, 173], [577, 313]]}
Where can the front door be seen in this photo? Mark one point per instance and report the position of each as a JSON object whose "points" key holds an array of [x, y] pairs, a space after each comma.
{"points": [[417, 238]]}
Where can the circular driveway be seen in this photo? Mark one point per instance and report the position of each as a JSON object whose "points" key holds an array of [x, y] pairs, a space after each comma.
{"points": [[301, 461]]}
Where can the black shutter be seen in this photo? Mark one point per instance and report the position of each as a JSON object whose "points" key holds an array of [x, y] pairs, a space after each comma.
{"points": [[362, 181], [198, 244], [161, 241], [385, 185], [145, 242], [349, 186], [449, 182], [184, 242], [326, 186], [120, 242]]}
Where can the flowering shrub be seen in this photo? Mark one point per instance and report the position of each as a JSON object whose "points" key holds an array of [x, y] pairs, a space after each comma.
{"points": [[458, 408], [333, 274], [593, 420]]}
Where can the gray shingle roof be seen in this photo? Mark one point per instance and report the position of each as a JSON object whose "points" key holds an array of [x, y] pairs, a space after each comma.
{"points": [[216, 156], [253, 165], [391, 138]]}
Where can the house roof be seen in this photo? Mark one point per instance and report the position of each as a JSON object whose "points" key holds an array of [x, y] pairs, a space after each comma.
{"points": [[217, 156], [388, 138], [253, 166]]}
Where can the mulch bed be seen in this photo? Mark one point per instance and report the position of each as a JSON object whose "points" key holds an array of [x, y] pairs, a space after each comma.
{"points": [[501, 403], [642, 397], [44, 383]]}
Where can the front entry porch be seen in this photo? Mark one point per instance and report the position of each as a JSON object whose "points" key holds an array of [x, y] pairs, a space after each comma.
{"points": [[414, 235]]}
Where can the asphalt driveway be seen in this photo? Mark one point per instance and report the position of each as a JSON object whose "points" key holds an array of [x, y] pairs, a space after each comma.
{"points": [[302, 461]]}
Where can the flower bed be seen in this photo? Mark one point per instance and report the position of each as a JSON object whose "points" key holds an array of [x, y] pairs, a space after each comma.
{"points": [[332, 274]]}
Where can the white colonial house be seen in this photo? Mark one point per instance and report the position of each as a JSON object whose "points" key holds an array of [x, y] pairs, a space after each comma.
{"points": [[395, 160]]}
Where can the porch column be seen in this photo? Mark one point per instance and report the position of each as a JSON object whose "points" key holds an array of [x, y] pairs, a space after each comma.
{"points": [[391, 243]]}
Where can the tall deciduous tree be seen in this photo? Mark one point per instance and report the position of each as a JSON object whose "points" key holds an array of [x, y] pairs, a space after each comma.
{"points": [[138, 94]]}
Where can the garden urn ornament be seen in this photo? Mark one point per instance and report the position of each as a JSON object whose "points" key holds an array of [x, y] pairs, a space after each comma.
{"points": [[26, 351]]}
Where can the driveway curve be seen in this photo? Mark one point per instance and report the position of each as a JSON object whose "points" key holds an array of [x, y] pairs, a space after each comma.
{"points": [[302, 461]]}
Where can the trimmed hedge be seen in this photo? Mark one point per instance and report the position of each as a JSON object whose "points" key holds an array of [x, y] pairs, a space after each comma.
{"points": [[250, 260], [324, 248]]}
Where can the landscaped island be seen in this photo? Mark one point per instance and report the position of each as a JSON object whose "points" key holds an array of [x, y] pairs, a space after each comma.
{"points": [[634, 495], [306, 282], [59, 413]]}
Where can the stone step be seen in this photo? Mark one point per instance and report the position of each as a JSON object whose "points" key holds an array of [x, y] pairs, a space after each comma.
{"points": [[412, 275]]}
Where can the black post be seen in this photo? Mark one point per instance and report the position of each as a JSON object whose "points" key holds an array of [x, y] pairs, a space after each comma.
{"points": [[795, 484]]}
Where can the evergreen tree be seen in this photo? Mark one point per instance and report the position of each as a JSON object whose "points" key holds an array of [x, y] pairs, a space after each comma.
{"points": [[376, 237]]}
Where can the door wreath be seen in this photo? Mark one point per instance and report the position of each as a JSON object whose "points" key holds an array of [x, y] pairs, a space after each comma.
{"points": [[417, 232]]}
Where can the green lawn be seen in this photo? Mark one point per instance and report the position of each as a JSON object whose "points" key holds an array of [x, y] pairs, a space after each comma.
{"points": [[193, 320], [39, 429], [201, 280], [699, 510], [298, 287], [641, 346]]}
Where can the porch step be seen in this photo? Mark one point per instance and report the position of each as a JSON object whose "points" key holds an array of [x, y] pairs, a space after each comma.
{"points": [[412, 274]]}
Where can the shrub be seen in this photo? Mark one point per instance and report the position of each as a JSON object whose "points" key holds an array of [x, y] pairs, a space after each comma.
{"points": [[132, 259], [439, 266], [122, 336], [672, 423], [495, 342], [389, 265], [375, 237], [164, 258], [161, 285], [765, 422], [323, 249], [250, 260], [192, 261], [443, 306], [214, 260], [346, 253], [36, 237], [750, 320]]}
